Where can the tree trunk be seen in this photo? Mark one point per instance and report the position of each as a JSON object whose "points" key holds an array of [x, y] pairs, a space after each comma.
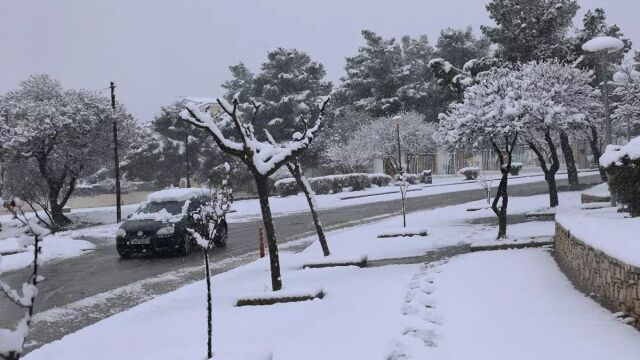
{"points": [[272, 243], [553, 189], [57, 215], [207, 274], [595, 149], [501, 212], [502, 192], [549, 172], [570, 161], [296, 171]]}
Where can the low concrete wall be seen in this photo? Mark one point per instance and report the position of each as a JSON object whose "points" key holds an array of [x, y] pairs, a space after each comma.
{"points": [[612, 281], [587, 198]]}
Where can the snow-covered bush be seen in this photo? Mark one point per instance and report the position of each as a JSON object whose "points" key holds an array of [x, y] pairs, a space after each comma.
{"points": [[623, 167], [358, 182], [469, 172], [380, 179], [287, 187], [321, 185], [515, 168], [411, 179], [426, 177]]}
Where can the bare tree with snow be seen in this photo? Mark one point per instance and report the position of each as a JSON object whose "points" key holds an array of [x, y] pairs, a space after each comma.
{"points": [[12, 340], [262, 158], [210, 217], [491, 113]]}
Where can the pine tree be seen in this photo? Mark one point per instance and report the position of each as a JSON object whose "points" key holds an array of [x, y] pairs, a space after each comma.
{"points": [[288, 85], [458, 46], [172, 150], [529, 29]]}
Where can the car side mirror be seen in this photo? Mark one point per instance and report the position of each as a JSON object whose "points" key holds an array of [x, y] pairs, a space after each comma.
{"points": [[129, 216]]}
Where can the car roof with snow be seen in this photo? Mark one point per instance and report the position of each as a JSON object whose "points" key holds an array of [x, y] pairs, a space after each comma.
{"points": [[177, 194]]}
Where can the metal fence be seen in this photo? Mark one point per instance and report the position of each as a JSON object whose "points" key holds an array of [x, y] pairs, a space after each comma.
{"points": [[449, 163]]}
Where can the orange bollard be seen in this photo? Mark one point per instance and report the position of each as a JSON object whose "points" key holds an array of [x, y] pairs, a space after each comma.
{"points": [[261, 241]]}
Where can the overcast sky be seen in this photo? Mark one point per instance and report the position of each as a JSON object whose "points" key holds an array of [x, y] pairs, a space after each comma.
{"points": [[157, 50]]}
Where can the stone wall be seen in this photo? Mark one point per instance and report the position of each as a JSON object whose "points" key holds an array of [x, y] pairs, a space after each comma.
{"points": [[594, 272]]}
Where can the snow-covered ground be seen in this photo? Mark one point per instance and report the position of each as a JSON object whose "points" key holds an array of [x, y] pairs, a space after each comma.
{"points": [[53, 247], [601, 190], [504, 305], [498, 305]]}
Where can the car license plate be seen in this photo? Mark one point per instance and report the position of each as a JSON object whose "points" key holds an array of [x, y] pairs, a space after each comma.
{"points": [[142, 241]]}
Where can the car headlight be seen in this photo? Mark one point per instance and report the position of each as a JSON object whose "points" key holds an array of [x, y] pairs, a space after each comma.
{"points": [[167, 230], [120, 233]]}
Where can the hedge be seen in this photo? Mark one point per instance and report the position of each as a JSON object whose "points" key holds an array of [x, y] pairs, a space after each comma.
{"points": [[333, 183], [624, 182]]}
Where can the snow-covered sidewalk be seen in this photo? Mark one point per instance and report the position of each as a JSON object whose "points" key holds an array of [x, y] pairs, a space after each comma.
{"points": [[513, 304]]}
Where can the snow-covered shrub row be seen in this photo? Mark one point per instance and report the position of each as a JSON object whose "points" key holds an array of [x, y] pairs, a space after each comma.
{"points": [[333, 183], [515, 168], [623, 167], [470, 172], [380, 179]]}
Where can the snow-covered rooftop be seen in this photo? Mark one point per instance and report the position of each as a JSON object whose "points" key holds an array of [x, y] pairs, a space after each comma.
{"points": [[603, 43], [176, 194]]}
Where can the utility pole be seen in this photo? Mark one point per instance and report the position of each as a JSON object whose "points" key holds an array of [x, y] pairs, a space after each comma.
{"points": [[115, 151], [186, 153]]}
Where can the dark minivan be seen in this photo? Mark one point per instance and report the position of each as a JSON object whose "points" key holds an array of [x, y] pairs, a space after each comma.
{"points": [[160, 224]]}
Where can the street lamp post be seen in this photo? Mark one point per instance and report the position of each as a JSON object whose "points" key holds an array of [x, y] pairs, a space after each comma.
{"points": [[604, 45], [402, 177]]}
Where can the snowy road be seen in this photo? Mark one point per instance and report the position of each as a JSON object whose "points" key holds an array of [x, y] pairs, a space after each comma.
{"points": [[73, 285]]}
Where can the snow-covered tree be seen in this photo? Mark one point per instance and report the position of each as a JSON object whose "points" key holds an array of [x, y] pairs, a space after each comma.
{"points": [[210, 217], [458, 46], [626, 115], [491, 114], [62, 134], [171, 150], [529, 29], [558, 101], [378, 139], [262, 158], [594, 23], [287, 87], [371, 83], [296, 171], [12, 340], [458, 79], [387, 76]]}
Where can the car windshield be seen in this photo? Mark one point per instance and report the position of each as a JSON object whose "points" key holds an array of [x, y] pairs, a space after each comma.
{"points": [[172, 207]]}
